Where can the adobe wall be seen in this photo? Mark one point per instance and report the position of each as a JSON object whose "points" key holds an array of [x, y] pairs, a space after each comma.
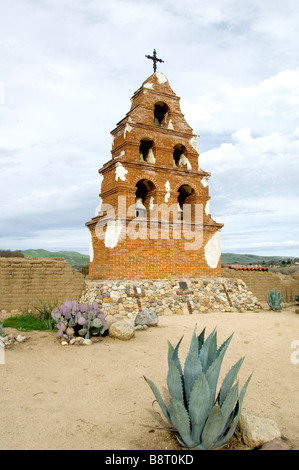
{"points": [[25, 282], [262, 282]]}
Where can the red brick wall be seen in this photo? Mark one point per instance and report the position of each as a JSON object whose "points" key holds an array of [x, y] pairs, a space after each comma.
{"points": [[150, 259]]}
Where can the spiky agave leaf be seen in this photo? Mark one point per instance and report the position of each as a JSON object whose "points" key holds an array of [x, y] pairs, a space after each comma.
{"points": [[229, 380], [192, 367], [204, 353], [224, 344], [174, 382], [173, 355], [159, 399], [180, 420], [201, 339], [227, 434], [213, 371], [213, 427], [199, 406], [228, 406]]}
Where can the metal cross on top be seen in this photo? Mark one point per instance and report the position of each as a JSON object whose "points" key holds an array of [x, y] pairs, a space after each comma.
{"points": [[154, 59]]}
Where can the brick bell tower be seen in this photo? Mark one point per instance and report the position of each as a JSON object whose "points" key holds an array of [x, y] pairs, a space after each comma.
{"points": [[154, 221]]}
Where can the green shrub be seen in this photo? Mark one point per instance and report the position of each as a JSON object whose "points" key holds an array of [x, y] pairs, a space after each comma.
{"points": [[202, 419], [28, 322]]}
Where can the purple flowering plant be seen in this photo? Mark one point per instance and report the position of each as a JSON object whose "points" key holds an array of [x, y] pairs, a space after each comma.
{"points": [[85, 320]]}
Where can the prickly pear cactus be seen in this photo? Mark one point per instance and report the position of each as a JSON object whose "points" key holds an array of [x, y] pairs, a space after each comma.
{"points": [[84, 319]]}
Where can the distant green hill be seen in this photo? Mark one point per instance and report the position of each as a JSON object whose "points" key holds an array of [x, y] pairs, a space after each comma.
{"points": [[235, 258], [72, 257], [78, 259]]}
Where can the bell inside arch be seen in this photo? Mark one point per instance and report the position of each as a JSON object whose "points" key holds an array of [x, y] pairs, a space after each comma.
{"points": [[140, 209]]}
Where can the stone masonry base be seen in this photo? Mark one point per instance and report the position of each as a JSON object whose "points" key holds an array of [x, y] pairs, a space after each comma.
{"points": [[170, 297]]}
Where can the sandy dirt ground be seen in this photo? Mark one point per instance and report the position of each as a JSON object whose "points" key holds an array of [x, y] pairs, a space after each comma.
{"points": [[95, 397]]}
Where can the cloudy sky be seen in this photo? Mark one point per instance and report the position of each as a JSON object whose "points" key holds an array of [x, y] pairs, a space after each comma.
{"points": [[68, 70]]}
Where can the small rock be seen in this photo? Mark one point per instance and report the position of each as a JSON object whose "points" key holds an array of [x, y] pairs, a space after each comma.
{"points": [[121, 330], [167, 311], [70, 331], [257, 431], [72, 341], [87, 342], [20, 338], [115, 295], [276, 444], [64, 343], [146, 317]]}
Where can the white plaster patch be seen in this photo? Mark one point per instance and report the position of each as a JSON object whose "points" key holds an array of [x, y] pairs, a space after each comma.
{"points": [[120, 172], [170, 125], [205, 181], [98, 208], [207, 208], [130, 119], [194, 142], [139, 204], [213, 250], [167, 187], [184, 162], [161, 77], [148, 85], [122, 154], [90, 248], [128, 128], [151, 203], [101, 180], [151, 157], [114, 228]]}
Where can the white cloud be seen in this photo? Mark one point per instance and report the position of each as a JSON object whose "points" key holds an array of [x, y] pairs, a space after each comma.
{"points": [[254, 184], [69, 67], [271, 105]]}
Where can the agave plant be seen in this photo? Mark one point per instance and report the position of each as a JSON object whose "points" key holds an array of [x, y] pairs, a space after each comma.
{"points": [[2, 332], [274, 300], [202, 418], [83, 319]]}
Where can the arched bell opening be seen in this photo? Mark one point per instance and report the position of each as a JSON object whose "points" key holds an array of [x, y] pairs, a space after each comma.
{"points": [[180, 159], [146, 153], [161, 111], [144, 197], [186, 197]]}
